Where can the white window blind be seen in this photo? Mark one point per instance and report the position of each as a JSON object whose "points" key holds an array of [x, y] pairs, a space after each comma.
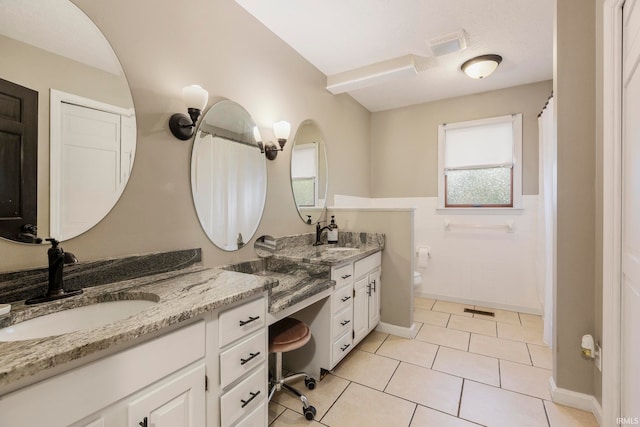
{"points": [[479, 147], [303, 162]]}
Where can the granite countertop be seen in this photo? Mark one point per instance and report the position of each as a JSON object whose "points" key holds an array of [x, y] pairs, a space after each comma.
{"points": [[180, 295], [331, 255]]}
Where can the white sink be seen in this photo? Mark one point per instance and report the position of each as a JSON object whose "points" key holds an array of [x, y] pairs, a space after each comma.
{"points": [[73, 319], [341, 249]]}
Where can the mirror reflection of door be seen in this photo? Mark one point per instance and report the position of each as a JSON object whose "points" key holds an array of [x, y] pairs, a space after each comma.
{"points": [[18, 162], [92, 154]]}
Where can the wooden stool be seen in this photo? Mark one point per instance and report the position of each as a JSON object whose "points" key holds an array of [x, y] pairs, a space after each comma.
{"points": [[286, 335]]}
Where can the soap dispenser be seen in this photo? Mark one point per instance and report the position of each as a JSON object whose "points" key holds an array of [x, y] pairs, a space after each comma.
{"points": [[332, 234]]}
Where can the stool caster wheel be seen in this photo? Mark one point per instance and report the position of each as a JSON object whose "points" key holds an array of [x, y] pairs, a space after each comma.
{"points": [[309, 412], [310, 383]]}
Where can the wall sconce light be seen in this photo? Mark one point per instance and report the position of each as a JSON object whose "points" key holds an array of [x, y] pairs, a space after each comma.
{"points": [[181, 125], [481, 66], [281, 130]]}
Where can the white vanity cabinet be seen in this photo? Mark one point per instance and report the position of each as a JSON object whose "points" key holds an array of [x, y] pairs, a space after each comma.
{"points": [[341, 313], [366, 303]]}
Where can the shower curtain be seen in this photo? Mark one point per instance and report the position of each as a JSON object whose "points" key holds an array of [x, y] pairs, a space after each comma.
{"points": [[547, 210]]}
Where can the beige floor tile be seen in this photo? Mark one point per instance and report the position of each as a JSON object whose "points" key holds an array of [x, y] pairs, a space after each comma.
{"points": [[424, 303], [532, 321], [468, 365], [362, 406], [290, 418], [322, 397], [443, 336], [367, 369], [372, 341], [541, 356], [436, 318], [412, 351], [495, 407], [427, 417], [515, 351], [477, 326], [275, 410], [563, 416], [452, 307], [426, 387], [525, 379], [499, 315], [526, 334]]}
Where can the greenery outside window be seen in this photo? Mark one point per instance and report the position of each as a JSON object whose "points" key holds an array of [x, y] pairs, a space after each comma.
{"points": [[479, 163]]}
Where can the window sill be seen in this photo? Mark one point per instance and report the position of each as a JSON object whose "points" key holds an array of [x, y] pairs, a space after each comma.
{"points": [[479, 211]]}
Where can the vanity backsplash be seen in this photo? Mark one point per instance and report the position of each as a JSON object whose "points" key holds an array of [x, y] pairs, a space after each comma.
{"points": [[24, 284]]}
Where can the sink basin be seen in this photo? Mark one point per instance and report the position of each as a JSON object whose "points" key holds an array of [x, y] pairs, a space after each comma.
{"points": [[341, 249], [73, 319]]}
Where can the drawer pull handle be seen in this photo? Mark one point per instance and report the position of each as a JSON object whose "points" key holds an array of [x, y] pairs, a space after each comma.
{"points": [[251, 319], [374, 285], [144, 422], [253, 396], [251, 357], [346, 276], [369, 289], [346, 346], [345, 322], [345, 299]]}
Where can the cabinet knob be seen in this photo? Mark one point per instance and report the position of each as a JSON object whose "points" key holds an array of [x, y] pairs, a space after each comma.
{"points": [[251, 319], [144, 422]]}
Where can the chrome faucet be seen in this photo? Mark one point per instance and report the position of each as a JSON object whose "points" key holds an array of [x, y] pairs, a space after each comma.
{"points": [[319, 231], [58, 258]]}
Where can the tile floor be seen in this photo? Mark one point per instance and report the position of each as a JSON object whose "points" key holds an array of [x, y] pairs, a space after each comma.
{"points": [[461, 370]]}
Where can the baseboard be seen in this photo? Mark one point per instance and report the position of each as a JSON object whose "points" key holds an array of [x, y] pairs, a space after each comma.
{"points": [[585, 402], [399, 331], [467, 301]]}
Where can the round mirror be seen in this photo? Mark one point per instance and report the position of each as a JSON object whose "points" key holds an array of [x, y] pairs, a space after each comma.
{"points": [[228, 176], [67, 103], [309, 172]]}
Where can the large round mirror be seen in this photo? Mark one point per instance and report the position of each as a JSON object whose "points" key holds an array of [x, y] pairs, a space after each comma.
{"points": [[66, 106], [309, 172], [228, 176]]}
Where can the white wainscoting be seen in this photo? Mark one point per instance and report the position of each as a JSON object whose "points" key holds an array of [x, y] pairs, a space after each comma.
{"points": [[480, 266]]}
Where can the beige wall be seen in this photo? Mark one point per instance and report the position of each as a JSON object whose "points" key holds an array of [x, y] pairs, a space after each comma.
{"points": [[575, 90], [163, 47], [404, 141]]}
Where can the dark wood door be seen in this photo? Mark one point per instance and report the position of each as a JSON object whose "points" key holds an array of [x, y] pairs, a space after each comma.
{"points": [[18, 162]]}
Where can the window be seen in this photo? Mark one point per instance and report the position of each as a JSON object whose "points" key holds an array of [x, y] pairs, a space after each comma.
{"points": [[479, 163], [304, 178]]}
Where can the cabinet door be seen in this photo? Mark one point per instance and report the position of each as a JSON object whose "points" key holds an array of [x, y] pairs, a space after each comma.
{"points": [[374, 299], [178, 403], [360, 310]]}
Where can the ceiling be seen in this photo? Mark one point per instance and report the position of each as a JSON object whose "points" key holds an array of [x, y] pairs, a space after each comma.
{"points": [[338, 36], [58, 26]]}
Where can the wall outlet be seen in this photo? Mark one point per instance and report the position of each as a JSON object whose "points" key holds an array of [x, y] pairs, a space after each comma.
{"points": [[598, 358]]}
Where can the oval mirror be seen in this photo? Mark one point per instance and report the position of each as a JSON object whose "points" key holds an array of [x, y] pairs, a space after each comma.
{"points": [[78, 118], [309, 177], [228, 176]]}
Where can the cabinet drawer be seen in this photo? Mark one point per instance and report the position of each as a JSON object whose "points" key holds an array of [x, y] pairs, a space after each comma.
{"points": [[241, 358], [242, 320], [341, 347], [342, 275], [367, 264], [342, 322], [257, 418], [243, 398], [342, 298]]}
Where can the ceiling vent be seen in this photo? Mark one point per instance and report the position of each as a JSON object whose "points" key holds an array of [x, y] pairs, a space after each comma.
{"points": [[449, 43]]}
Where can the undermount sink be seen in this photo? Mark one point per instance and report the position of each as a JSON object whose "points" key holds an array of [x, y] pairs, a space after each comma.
{"points": [[74, 319]]}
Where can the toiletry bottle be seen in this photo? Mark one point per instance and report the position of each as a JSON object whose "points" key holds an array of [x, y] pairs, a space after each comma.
{"points": [[332, 234]]}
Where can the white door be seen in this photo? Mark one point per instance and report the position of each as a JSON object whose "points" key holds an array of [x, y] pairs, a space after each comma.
{"points": [[630, 293], [90, 167], [179, 403]]}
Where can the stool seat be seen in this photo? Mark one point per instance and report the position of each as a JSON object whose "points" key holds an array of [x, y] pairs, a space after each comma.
{"points": [[288, 334]]}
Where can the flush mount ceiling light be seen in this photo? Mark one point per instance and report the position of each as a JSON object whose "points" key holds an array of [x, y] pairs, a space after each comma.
{"points": [[481, 66], [371, 75]]}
